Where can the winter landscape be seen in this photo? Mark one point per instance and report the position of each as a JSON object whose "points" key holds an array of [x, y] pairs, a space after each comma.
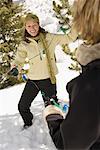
{"points": [[37, 136]]}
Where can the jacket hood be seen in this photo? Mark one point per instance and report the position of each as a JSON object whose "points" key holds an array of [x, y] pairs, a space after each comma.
{"points": [[86, 54]]}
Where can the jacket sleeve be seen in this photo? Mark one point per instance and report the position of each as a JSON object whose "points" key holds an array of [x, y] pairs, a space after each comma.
{"points": [[54, 121], [54, 117], [65, 38], [20, 56]]}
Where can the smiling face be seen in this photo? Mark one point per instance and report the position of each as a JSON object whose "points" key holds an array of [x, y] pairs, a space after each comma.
{"points": [[32, 27]]}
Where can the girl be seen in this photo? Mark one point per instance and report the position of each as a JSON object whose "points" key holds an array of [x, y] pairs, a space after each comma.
{"points": [[38, 47], [80, 130]]}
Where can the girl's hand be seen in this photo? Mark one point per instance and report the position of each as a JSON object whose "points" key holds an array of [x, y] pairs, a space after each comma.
{"points": [[13, 72]]}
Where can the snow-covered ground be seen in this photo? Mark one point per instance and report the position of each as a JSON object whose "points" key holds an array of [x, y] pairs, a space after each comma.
{"points": [[37, 136]]}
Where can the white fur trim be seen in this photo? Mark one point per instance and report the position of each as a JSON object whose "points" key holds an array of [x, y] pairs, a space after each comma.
{"points": [[85, 54], [51, 109]]}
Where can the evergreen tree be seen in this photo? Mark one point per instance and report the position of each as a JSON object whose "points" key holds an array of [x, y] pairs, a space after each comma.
{"points": [[64, 15], [10, 33]]}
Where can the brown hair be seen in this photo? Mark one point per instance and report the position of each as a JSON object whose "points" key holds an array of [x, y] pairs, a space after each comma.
{"points": [[86, 20], [31, 16]]}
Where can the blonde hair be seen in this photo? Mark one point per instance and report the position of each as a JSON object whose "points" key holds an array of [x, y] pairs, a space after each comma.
{"points": [[86, 20]]}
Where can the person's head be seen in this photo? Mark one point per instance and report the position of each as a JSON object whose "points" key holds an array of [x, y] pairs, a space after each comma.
{"points": [[86, 20], [31, 24]]}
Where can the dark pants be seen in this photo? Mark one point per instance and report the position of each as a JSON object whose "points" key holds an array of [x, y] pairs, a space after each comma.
{"points": [[31, 90]]}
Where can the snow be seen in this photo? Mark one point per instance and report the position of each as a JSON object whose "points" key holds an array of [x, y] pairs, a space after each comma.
{"points": [[11, 136], [37, 136]]}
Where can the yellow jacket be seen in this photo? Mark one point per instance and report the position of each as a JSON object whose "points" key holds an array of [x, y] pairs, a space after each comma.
{"points": [[34, 52]]}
